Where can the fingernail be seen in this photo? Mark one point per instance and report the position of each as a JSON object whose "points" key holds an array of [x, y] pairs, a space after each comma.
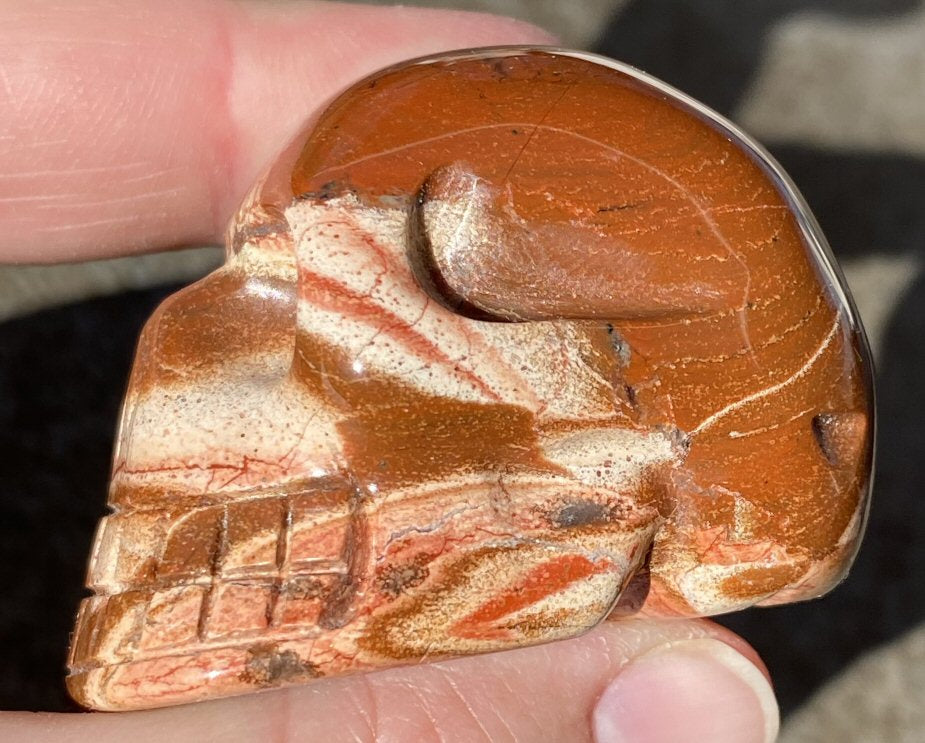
{"points": [[697, 690]]}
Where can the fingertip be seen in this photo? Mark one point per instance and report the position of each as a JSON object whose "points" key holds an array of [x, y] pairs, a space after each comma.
{"points": [[700, 689], [740, 645]]}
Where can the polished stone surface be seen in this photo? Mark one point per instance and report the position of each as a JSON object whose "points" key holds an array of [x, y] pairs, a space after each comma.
{"points": [[503, 340]]}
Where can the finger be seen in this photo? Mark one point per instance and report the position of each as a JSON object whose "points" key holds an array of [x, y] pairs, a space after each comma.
{"points": [[634, 680], [132, 126]]}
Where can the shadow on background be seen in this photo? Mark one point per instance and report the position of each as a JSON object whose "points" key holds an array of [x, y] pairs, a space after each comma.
{"points": [[62, 376]]}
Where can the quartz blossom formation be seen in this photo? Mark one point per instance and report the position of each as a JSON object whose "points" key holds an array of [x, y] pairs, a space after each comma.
{"points": [[507, 341]]}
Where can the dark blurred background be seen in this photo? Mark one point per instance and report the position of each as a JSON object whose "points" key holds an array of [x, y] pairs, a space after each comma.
{"points": [[834, 88]]}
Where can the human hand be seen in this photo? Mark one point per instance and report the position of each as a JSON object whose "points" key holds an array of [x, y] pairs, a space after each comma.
{"points": [[136, 126]]}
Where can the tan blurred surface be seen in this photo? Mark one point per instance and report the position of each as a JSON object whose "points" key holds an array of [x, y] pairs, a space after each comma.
{"points": [[877, 699]]}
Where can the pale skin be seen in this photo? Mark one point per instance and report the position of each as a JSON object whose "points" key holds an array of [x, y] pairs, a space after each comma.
{"points": [[138, 126]]}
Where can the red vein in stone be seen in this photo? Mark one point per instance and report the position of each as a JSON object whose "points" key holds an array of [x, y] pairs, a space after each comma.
{"points": [[329, 294]]}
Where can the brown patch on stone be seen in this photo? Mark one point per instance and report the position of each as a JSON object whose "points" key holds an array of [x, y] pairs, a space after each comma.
{"points": [[193, 545], [581, 513], [394, 579], [394, 435], [761, 581], [542, 624], [304, 587], [204, 326], [267, 665]]}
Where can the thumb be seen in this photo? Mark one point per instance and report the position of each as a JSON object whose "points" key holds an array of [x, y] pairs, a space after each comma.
{"points": [[634, 680]]}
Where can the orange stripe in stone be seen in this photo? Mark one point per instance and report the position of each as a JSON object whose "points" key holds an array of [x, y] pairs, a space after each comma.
{"points": [[544, 580]]}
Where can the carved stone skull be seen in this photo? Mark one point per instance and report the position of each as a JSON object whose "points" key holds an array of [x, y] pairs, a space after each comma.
{"points": [[506, 341]]}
